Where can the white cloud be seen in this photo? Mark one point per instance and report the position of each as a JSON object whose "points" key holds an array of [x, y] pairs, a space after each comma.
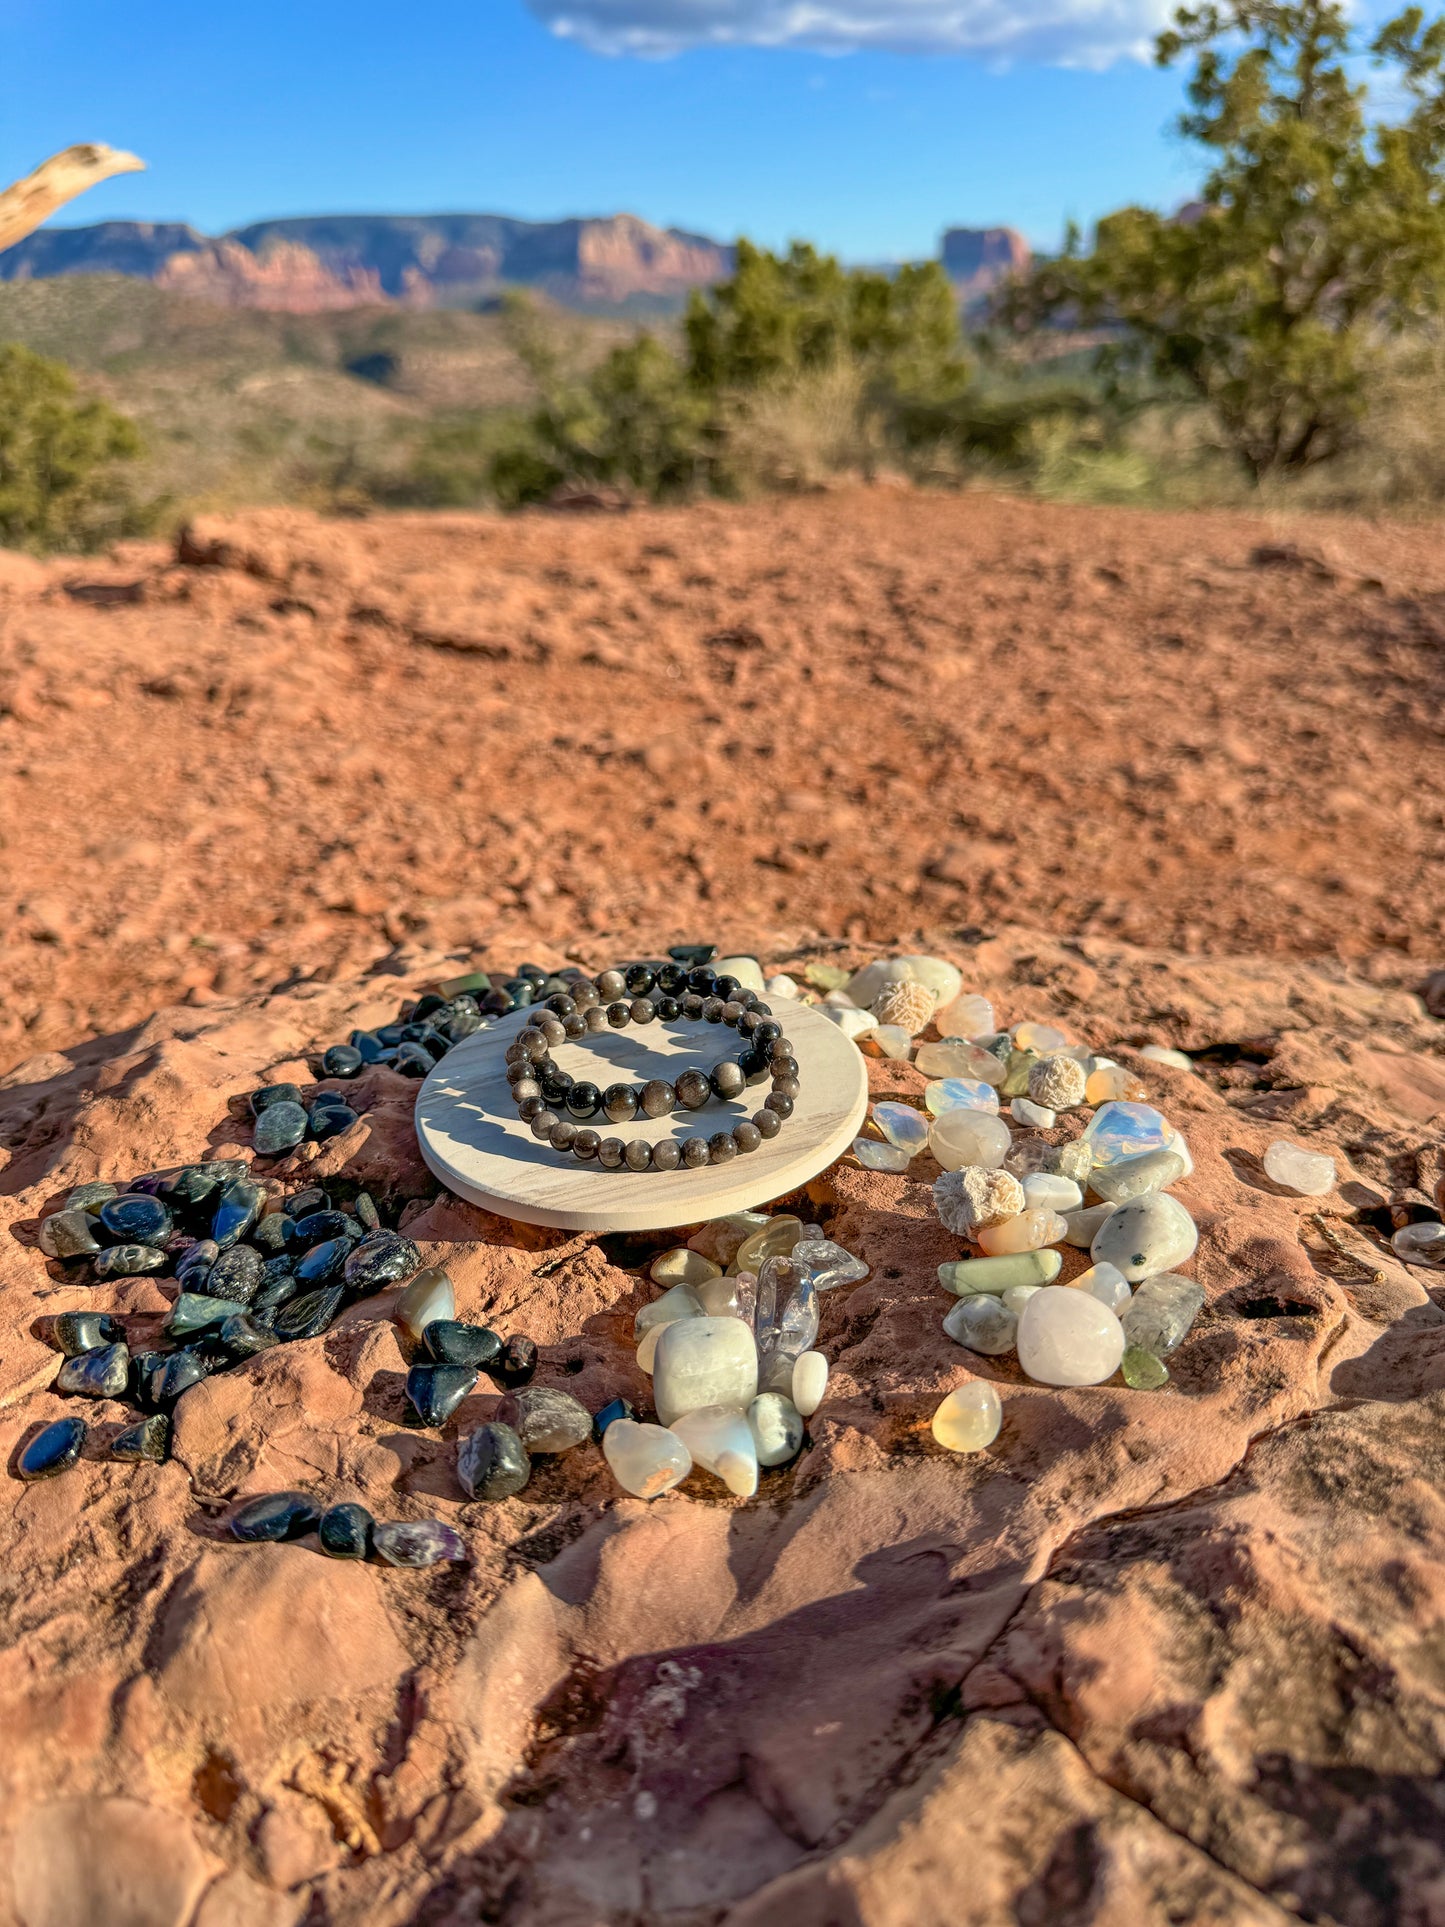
{"points": [[1074, 33]]}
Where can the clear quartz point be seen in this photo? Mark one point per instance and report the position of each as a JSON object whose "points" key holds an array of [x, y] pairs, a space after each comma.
{"points": [[828, 1264]]}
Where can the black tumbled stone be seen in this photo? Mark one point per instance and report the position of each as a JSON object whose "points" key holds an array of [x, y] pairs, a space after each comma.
{"points": [[435, 1391], [238, 1208], [279, 1129], [417, 1542], [517, 1363], [270, 1094], [450, 1342], [172, 1376], [151, 1439], [322, 1262], [381, 1259], [316, 1228], [75, 1332], [330, 1120], [244, 1336], [308, 1315], [53, 1449], [237, 1274], [345, 1531], [492, 1463], [135, 1219], [103, 1373], [341, 1060], [277, 1515], [129, 1261]]}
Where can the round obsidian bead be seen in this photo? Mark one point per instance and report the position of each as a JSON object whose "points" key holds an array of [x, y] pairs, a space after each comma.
{"points": [[786, 1086], [669, 1009], [753, 1065], [584, 994], [595, 1016], [525, 1087], [779, 1104], [585, 1144], [640, 979], [611, 985], [694, 1152], [733, 1013], [783, 1064], [768, 1122], [701, 980], [575, 1025], [609, 1153], [720, 1147], [619, 1101], [747, 1136], [657, 1098], [667, 1155], [584, 1100], [529, 1107], [562, 1004], [767, 1031], [672, 979], [555, 1084], [638, 1154], [563, 1134], [619, 1014], [642, 1010], [692, 1004], [724, 986], [693, 1090], [542, 1122], [727, 1079]]}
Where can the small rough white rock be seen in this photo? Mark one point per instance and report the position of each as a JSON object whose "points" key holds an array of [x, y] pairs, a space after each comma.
{"points": [[646, 1460], [1068, 1337], [1037, 1116], [968, 1199], [1309, 1173], [810, 1381], [704, 1361], [1057, 1082], [969, 1418], [1148, 1235]]}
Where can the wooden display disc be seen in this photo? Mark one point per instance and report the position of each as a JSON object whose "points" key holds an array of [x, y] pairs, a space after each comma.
{"points": [[472, 1138]]}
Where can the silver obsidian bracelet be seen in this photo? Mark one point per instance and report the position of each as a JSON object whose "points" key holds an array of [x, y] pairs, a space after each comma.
{"points": [[613, 1000]]}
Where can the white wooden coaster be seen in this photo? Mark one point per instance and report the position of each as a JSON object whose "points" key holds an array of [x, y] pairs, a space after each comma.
{"points": [[471, 1137]]}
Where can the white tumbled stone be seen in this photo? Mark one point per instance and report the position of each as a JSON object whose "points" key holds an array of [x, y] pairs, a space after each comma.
{"points": [[810, 1381], [969, 1418], [704, 1361], [680, 1302], [1067, 1337], [890, 1040], [967, 1016], [1310, 1173], [1081, 1226], [747, 970], [1148, 1235], [1106, 1283], [1162, 1054], [777, 1428], [682, 1267], [1136, 1177], [1017, 1296], [782, 986], [852, 1023], [721, 1442], [984, 1324], [941, 978], [1037, 1116], [646, 1460], [1048, 1190], [428, 1297], [962, 1137]]}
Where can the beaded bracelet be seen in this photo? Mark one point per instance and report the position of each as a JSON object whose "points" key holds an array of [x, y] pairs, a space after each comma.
{"points": [[612, 1002]]}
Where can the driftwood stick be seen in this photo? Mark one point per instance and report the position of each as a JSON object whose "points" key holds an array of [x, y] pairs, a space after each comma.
{"points": [[29, 202]]}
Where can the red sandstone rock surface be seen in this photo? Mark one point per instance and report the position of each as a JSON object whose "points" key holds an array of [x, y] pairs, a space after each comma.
{"points": [[1153, 1657]]}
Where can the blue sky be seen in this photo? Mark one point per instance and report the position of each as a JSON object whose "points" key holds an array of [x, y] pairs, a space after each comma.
{"points": [[865, 125]]}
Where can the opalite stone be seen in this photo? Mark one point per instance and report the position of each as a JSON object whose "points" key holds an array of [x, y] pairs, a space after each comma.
{"points": [[1067, 1337], [902, 1126], [942, 978], [1038, 1037], [777, 1428], [971, 1275], [1110, 1081], [1148, 1235], [428, 1296], [493, 1463], [1422, 1243], [1081, 1227], [874, 1156], [888, 1040], [1142, 1371], [971, 1197], [1057, 1082], [55, 1448], [969, 1137], [967, 1016], [680, 1302], [1027, 1231], [546, 1419], [1310, 1173], [828, 1264], [703, 1361], [1046, 1190], [1161, 1312], [682, 1267], [1126, 1131], [1106, 1283], [417, 1542], [960, 1094], [969, 1418], [1038, 1116], [984, 1324], [1135, 1177], [747, 970], [957, 1057], [810, 1381], [775, 1239], [68, 1234], [720, 1239], [721, 1442], [1017, 1296], [646, 1460], [782, 986], [1163, 1054]]}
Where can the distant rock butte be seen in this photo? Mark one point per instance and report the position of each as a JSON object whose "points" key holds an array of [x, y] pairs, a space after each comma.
{"points": [[321, 262]]}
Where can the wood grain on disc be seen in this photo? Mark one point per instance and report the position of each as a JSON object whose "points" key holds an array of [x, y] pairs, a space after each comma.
{"points": [[472, 1138]]}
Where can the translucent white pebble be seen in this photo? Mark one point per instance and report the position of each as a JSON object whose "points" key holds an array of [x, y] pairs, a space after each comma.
{"points": [[1038, 1116], [647, 1343], [903, 1126], [890, 1040], [1420, 1244], [1310, 1173], [941, 978], [1124, 1130], [1148, 1235], [827, 1263], [1028, 1231], [1017, 1296], [1162, 1054], [1181, 1150], [1134, 1177], [969, 1137], [721, 1442], [1106, 1283], [853, 1023], [682, 1267], [646, 1460], [721, 1297], [984, 1324], [1038, 1037], [810, 1381], [967, 1016], [957, 1057], [777, 1428], [1082, 1225], [680, 1302], [704, 1361], [1046, 1189], [960, 1094], [1068, 1337], [874, 1156], [969, 1418], [747, 970], [782, 987], [428, 1297]]}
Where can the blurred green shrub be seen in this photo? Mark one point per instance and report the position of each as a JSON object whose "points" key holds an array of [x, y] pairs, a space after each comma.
{"points": [[62, 461]]}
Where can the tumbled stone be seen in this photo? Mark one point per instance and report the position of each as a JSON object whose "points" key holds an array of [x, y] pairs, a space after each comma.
{"points": [[238, 1208], [1106, 1283], [429, 1295], [972, 1275], [1039, 1037], [546, 1420], [135, 1219], [967, 1137], [968, 1199], [341, 1060], [1422, 1243], [308, 1315], [245, 1336], [68, 1234], [1148, 1235], [1159, 1316], [1164, 1054], [74, 1332], [129, 1261], [969, 1418], [322, 1263], [1047, 1191], [704, 1361], [932, 973], [104, 1373], [887, 1040], [1142, 1370], [330, 1120], [1068, 1337], [493, 1463], [646, 1460], [720, 1441], [54, 1449], [966, 1016], [1038, 1117], [345, 1531], [682, 1267], [775, 1239], [197, 1312], [517, 1363], [279, 1128], [609, 1414], [1084, 1224], [452, 1343], [1017, 1296], [1057, 1082], [854, 1023], [267, 1095], [746, 970], [782, 986], [1108, 1081], [1310, 1173], [417, 1542], [787, 1305], [435, 1391], [902, 1126], [151, 1439], [720, 1239], [275, 1516], [383, 1258], [238, 1274], [1136, 1177], [810, 1382], [313, 1228], [958, 1060], [874, 1156], [777, 1428], [827, 1264], [983, 1323], [90, 1197], [170, 1377], [960, 1094], [1123, 1130]]}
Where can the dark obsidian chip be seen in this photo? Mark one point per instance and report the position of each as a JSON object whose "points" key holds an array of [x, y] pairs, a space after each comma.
{"points": [[244, 1336], [693, 955], [342, 1060], [277, 1515], [435, 1391], [413, 1061], [53, 1449], [174, 1374], [345, 1531], [237, 1209], [493, 1463]]}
